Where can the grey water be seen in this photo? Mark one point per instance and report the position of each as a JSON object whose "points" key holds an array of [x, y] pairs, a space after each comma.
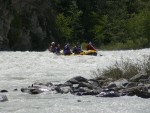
{"points": [[21, 69]]}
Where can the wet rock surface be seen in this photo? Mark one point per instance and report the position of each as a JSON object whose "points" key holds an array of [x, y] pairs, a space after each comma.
{"points": [[81, 86]]}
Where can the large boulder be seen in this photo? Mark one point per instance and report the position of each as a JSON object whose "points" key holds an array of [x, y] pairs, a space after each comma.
{"points": [[77, 80]]}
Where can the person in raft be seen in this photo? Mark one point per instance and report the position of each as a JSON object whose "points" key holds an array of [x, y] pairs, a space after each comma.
{"points": [[77, 49], [54, 48], [67, 49], [57, 49], [90, 46]]}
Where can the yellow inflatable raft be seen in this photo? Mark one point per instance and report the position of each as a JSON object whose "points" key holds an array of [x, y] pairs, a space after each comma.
{"points": [[89, 52]]}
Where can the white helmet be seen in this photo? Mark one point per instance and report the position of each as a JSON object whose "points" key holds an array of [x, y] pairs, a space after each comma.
{"points": [[52, 43]]}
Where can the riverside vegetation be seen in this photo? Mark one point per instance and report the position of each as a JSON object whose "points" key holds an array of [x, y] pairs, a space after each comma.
{"points": [[109, 24], [122, 79]]}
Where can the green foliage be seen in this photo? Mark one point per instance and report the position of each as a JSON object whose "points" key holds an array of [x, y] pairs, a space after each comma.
{"points": [[75, 24], [135, 26], [109, 24], [146, 29], [84, 45], [69, 24], [63, 24], [98, 28], [129, 44]]}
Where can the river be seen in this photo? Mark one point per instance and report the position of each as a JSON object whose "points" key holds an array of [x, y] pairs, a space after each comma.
{"points": [[21, 69]]}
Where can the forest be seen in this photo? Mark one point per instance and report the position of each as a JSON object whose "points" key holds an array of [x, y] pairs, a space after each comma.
{"points": [[108, 24]]}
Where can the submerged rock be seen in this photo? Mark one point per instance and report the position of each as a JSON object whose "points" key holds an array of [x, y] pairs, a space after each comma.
{"points": [[3, 98], [77, 79], [3, 91]]}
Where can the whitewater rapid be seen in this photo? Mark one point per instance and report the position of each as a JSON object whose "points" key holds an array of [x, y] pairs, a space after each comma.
{"points": [[21, 69]]}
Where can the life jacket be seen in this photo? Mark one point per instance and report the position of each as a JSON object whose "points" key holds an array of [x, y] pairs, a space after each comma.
{"points": [[76, 49], [53, 48], [67, 50]]}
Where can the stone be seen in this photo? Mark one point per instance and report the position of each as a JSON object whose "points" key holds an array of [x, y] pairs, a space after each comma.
{"points": [[3, 91], [131, 84], [77, 79], [139, 76], [3, 98], [108, 94]]}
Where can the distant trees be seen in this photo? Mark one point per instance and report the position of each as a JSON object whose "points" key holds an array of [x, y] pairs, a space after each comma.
{"points": [[109, 24]]}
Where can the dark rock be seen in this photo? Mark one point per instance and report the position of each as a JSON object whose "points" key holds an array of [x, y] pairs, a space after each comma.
{"points": [[143, 94], [88, 85], [81, 89], [24, 90], [63, 90], [3, 98], [31, 90], [109, 89], [139, 76], [78, 100], [84, 91], [68, 84], [144, 81], [77, 79], [121, 82], [15, 89], [135, 90], [140, 84], [148, 86], [3, 91], [95, 83], [112, 85], [81, 86], [131, 84], [48, 84], [108, 94], [35, 91]]}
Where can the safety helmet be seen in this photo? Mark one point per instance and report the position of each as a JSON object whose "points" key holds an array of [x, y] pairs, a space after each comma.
{"points": [[52, 43], [90, 43]]}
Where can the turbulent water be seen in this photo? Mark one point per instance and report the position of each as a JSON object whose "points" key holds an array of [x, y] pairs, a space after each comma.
{"points": [[21, 69]]}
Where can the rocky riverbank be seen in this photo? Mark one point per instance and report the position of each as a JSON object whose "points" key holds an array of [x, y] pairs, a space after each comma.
{"points": [[138, 85]]}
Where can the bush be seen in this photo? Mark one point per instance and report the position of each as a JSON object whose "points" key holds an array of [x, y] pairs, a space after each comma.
{"points": [[124, 69], [129, 44]]}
